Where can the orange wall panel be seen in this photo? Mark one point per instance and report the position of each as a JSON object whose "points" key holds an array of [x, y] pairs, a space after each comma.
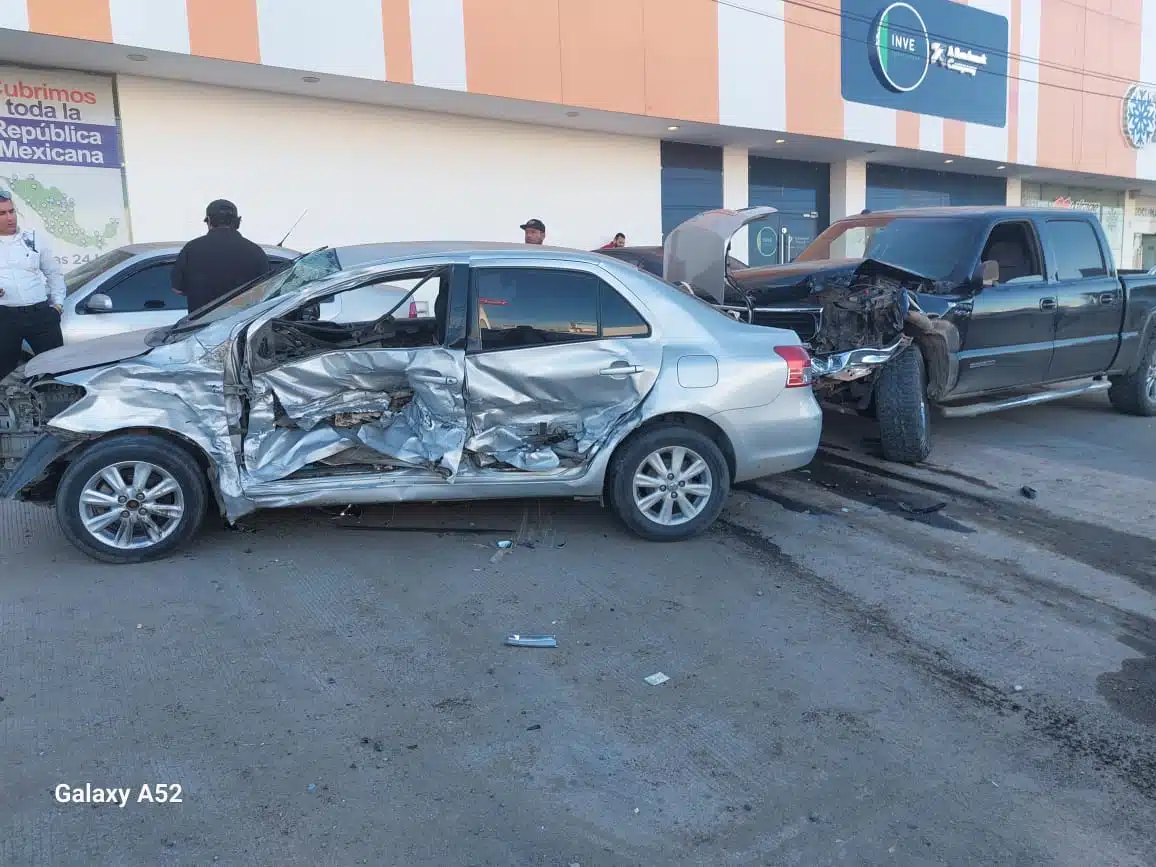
{"points": [[814, 86], [514, 48], [907, 130], [79, 19], [225, 29], [681, 59], [604, 55], [1060, 105], [398, 41], [1112, 56]]}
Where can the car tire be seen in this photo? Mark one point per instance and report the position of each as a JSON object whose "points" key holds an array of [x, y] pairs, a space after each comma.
{"points": [[1135, 393], [902, 410], [157, 523], [655, 521]]}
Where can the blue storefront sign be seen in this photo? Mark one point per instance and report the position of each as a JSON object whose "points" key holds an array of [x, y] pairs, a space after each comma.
{"points": [[926, 56]]}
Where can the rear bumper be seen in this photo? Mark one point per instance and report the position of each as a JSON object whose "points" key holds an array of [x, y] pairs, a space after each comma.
{"points": [[775, 438]]}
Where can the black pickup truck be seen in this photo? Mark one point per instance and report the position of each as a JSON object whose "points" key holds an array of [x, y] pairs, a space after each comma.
{"points": [[961, 310]]}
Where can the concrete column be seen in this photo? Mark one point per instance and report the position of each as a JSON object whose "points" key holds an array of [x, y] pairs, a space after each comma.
{"points": [[736, 191], [848, 188], [1015, 192], [848, 198], [1133, 254]]}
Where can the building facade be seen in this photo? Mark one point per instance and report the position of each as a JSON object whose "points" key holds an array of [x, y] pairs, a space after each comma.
{"points": [[405, 119]]}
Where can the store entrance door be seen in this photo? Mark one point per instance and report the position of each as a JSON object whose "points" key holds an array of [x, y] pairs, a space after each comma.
{"points": [[1148, 251], [780, 238]]}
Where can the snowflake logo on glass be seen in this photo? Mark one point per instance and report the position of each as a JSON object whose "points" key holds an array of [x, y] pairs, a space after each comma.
{"points": [[1139, 116]]}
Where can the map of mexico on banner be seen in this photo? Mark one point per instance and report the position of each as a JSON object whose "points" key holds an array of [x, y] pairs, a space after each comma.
{"points": [[60, 157]]}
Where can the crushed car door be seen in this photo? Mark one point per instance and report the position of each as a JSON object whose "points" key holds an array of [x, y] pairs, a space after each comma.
{"points": [[365, 396], [559, 357]]}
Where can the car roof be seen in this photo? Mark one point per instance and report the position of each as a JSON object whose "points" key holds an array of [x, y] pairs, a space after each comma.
{"points": [[999, 212], [175, 247], [365, 254]]}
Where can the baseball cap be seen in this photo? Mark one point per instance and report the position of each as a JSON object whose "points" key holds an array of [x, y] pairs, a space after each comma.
{"points": [[221, 209], [533, 224], [5, 196]]}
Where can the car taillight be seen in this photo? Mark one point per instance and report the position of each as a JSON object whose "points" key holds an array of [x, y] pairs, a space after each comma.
{"points": [[798, 365]]}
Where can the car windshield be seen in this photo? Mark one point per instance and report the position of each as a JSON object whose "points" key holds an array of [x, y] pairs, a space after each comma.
{"points": [[81, 276], [280, 282], [934, 247]]}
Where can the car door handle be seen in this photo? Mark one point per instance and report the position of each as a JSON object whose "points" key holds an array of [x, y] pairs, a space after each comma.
{"points": [[431, 378], [1107, 298], [620, 370], [1048, 304]]}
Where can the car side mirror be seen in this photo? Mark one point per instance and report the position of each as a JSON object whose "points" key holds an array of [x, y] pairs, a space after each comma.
{"points": [[98, 303], [987, 274]]}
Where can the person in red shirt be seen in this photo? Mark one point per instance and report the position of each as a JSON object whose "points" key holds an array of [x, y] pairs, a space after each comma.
{"points": [[619, 241]]}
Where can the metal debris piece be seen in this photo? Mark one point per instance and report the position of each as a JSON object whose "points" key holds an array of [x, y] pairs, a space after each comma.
{"points": [[518, 640], [505, 543], [656, 678], [921, 510], [1029, 492]]}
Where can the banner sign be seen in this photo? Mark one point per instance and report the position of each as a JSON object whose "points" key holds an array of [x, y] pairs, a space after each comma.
{"points": [[61, 158]]}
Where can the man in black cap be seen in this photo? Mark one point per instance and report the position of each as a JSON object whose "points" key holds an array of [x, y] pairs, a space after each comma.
{"points": [[535, 231], [219, 261]]}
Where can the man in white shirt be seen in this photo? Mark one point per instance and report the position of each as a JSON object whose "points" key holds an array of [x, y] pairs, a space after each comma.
{"points": [[31, 290]]}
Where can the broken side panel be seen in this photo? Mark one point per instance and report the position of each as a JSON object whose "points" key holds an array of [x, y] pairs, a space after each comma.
{"points": [[405, 406], [542, 407]]}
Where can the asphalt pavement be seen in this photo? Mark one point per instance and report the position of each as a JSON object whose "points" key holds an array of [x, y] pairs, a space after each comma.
{"points": [[868, 664]]}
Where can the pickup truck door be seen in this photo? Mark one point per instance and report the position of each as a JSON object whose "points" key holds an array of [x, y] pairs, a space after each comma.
{"points": [[1010, 335], [1090, 298]]}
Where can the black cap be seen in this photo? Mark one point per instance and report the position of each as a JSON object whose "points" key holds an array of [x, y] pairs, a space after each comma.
{"points": [[533, 224], [221, 211]]}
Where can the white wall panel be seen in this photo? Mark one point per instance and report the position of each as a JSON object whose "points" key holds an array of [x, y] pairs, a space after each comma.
{"points": [[345, 38], [753, 64], [369, 173], [162, 25]]}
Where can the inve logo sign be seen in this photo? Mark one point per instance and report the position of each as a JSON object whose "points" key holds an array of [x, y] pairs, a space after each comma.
{"points": [[902, 49], [931, 57]]}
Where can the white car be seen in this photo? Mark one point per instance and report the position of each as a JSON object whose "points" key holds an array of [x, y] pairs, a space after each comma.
{"points": [[130, 289]]}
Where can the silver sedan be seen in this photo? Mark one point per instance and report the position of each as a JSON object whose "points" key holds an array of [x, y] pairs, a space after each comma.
{"points": [[542, 373]]}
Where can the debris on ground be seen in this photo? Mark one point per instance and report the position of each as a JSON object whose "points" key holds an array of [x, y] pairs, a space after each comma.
{"points": [[656, 678], [505, 543], [535, 727], [517, 640], [1029, 492], [312, 787], [921, 510]]}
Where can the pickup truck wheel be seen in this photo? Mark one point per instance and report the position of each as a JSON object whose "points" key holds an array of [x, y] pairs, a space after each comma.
{"points": [[669, 483], [1135, 394], [131, 499], [902, 410]]}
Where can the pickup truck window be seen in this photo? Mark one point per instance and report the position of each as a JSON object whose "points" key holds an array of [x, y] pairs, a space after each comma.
{"points": [[934, 247], [1013, 246], [1076, 250]]}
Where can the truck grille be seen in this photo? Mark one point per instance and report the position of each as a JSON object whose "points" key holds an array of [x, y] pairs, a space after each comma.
{"points": [[805, 323]]}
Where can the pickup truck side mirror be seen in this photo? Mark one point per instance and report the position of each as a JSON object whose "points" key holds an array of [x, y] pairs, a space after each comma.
{"points": [[98, 303], [987, 274]]}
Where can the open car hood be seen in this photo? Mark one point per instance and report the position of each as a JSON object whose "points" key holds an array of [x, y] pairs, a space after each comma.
{"points": [[696, 251], [89, 353]]}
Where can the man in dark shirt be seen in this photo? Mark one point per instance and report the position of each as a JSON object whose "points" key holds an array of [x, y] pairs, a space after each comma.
{"points": [[219, 261]]}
